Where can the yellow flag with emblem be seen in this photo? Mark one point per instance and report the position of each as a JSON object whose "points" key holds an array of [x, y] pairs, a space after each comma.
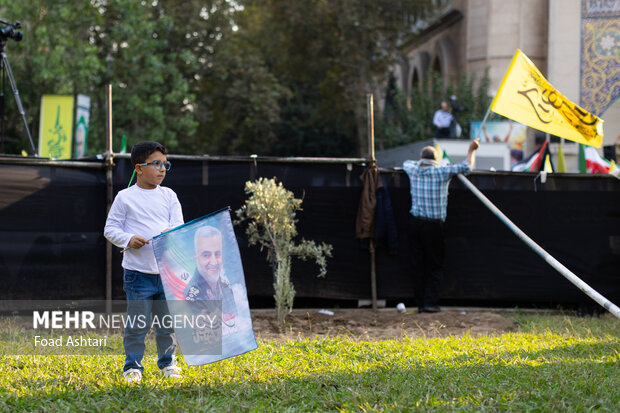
{"points": [[527, 97], [56, 126]]}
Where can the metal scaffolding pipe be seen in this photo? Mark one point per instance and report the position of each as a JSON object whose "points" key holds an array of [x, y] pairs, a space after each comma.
{"points": [[570, 276]]}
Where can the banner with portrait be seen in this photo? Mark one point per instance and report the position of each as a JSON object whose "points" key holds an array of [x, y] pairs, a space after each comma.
{"points": [[512, 133], [201, 270]]}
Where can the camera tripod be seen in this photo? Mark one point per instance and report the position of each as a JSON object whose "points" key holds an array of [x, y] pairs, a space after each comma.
{"points": [[5, 69]]}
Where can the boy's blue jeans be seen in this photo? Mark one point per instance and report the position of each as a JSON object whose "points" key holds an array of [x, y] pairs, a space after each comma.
{"points": [[145, 296]]}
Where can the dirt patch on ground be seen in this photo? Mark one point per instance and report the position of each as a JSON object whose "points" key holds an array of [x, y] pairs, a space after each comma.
{"points": [[366, 324]]}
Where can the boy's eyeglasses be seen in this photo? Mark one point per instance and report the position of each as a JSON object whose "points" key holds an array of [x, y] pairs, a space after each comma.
{"points": [[158, 164]]}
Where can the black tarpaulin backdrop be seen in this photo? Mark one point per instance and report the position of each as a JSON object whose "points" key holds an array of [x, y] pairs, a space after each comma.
{"points": [[52, 218]]}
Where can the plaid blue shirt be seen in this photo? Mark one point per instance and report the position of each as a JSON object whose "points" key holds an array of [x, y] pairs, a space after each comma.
{"points": [[429, 187]]}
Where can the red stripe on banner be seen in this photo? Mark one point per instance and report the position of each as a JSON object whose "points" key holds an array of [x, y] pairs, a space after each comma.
{"points": [[176, 286], [172, 281]]}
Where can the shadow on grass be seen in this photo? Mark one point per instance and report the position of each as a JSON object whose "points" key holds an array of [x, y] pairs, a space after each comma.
{"points": [[565, 378]]}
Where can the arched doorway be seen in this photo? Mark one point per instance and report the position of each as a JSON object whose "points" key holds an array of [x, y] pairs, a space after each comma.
{"points": [[415, 80], [436, 65]]}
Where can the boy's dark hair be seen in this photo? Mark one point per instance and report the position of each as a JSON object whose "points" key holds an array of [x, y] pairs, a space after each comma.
{"points": [[143, 150]]}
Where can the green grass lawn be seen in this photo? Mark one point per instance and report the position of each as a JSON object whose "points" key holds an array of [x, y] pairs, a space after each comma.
{"points": [[551, 363]]}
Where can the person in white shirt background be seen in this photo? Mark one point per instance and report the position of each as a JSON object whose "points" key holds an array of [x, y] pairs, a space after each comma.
{"points": [[442, 120]]}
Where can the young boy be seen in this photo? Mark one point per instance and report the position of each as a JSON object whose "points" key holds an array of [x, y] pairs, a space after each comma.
{"points": [[138, 214]]}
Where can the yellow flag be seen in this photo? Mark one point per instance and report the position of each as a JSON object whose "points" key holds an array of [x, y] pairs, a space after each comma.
{"points": [[527, 97], [612, 166], [438, 152], [561, 159], [56, 127], [548, 167]]}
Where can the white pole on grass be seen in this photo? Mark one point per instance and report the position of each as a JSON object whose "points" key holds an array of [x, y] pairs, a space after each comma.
{"points": [[592, 293]]}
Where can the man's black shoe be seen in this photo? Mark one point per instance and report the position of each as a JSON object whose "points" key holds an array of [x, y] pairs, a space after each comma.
{"points": [[431, 309], [420, 309]]}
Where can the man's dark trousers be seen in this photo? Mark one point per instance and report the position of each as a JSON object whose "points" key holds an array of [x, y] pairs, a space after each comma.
{"points": [[426, 243], [443, 133]]}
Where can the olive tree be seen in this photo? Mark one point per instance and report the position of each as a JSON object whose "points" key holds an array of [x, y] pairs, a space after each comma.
{"points": [[270, 212]]}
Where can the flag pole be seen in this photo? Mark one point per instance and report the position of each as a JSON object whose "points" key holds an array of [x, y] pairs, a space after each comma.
{"points": [[109, 162], [372, 164], [592, 293], [484, 120]]}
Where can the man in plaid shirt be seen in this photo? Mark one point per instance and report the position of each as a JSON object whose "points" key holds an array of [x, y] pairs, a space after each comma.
{"points": [[429, 202]]}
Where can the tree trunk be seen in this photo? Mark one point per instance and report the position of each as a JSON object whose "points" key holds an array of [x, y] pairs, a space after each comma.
{"points": [[284, 291]]}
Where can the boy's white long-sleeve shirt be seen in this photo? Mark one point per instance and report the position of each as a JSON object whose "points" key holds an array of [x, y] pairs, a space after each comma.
{"points": [[144, 212]]}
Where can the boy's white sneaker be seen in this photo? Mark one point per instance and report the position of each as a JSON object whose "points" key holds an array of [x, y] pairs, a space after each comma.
{"points": [[171, 372], [133, 376]]}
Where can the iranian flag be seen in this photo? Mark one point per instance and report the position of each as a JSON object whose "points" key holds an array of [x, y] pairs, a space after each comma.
{"points": [[591, 162], [444, 159]]}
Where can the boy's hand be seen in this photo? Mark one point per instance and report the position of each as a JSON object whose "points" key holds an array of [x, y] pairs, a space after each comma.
{"points": [[137, 242]]}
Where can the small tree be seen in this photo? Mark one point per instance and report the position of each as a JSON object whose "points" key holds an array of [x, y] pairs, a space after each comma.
{"points": [[270, 212]]}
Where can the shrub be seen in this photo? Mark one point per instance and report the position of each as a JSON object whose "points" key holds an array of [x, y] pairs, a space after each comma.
{"points": [[270, 211]]}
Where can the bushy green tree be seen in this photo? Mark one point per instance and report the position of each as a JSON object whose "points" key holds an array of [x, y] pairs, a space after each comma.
{"points": [[270, 212], [81, 46], [56, 55], [236, 97], [274, 77], [328, 54], [150, 94]]}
